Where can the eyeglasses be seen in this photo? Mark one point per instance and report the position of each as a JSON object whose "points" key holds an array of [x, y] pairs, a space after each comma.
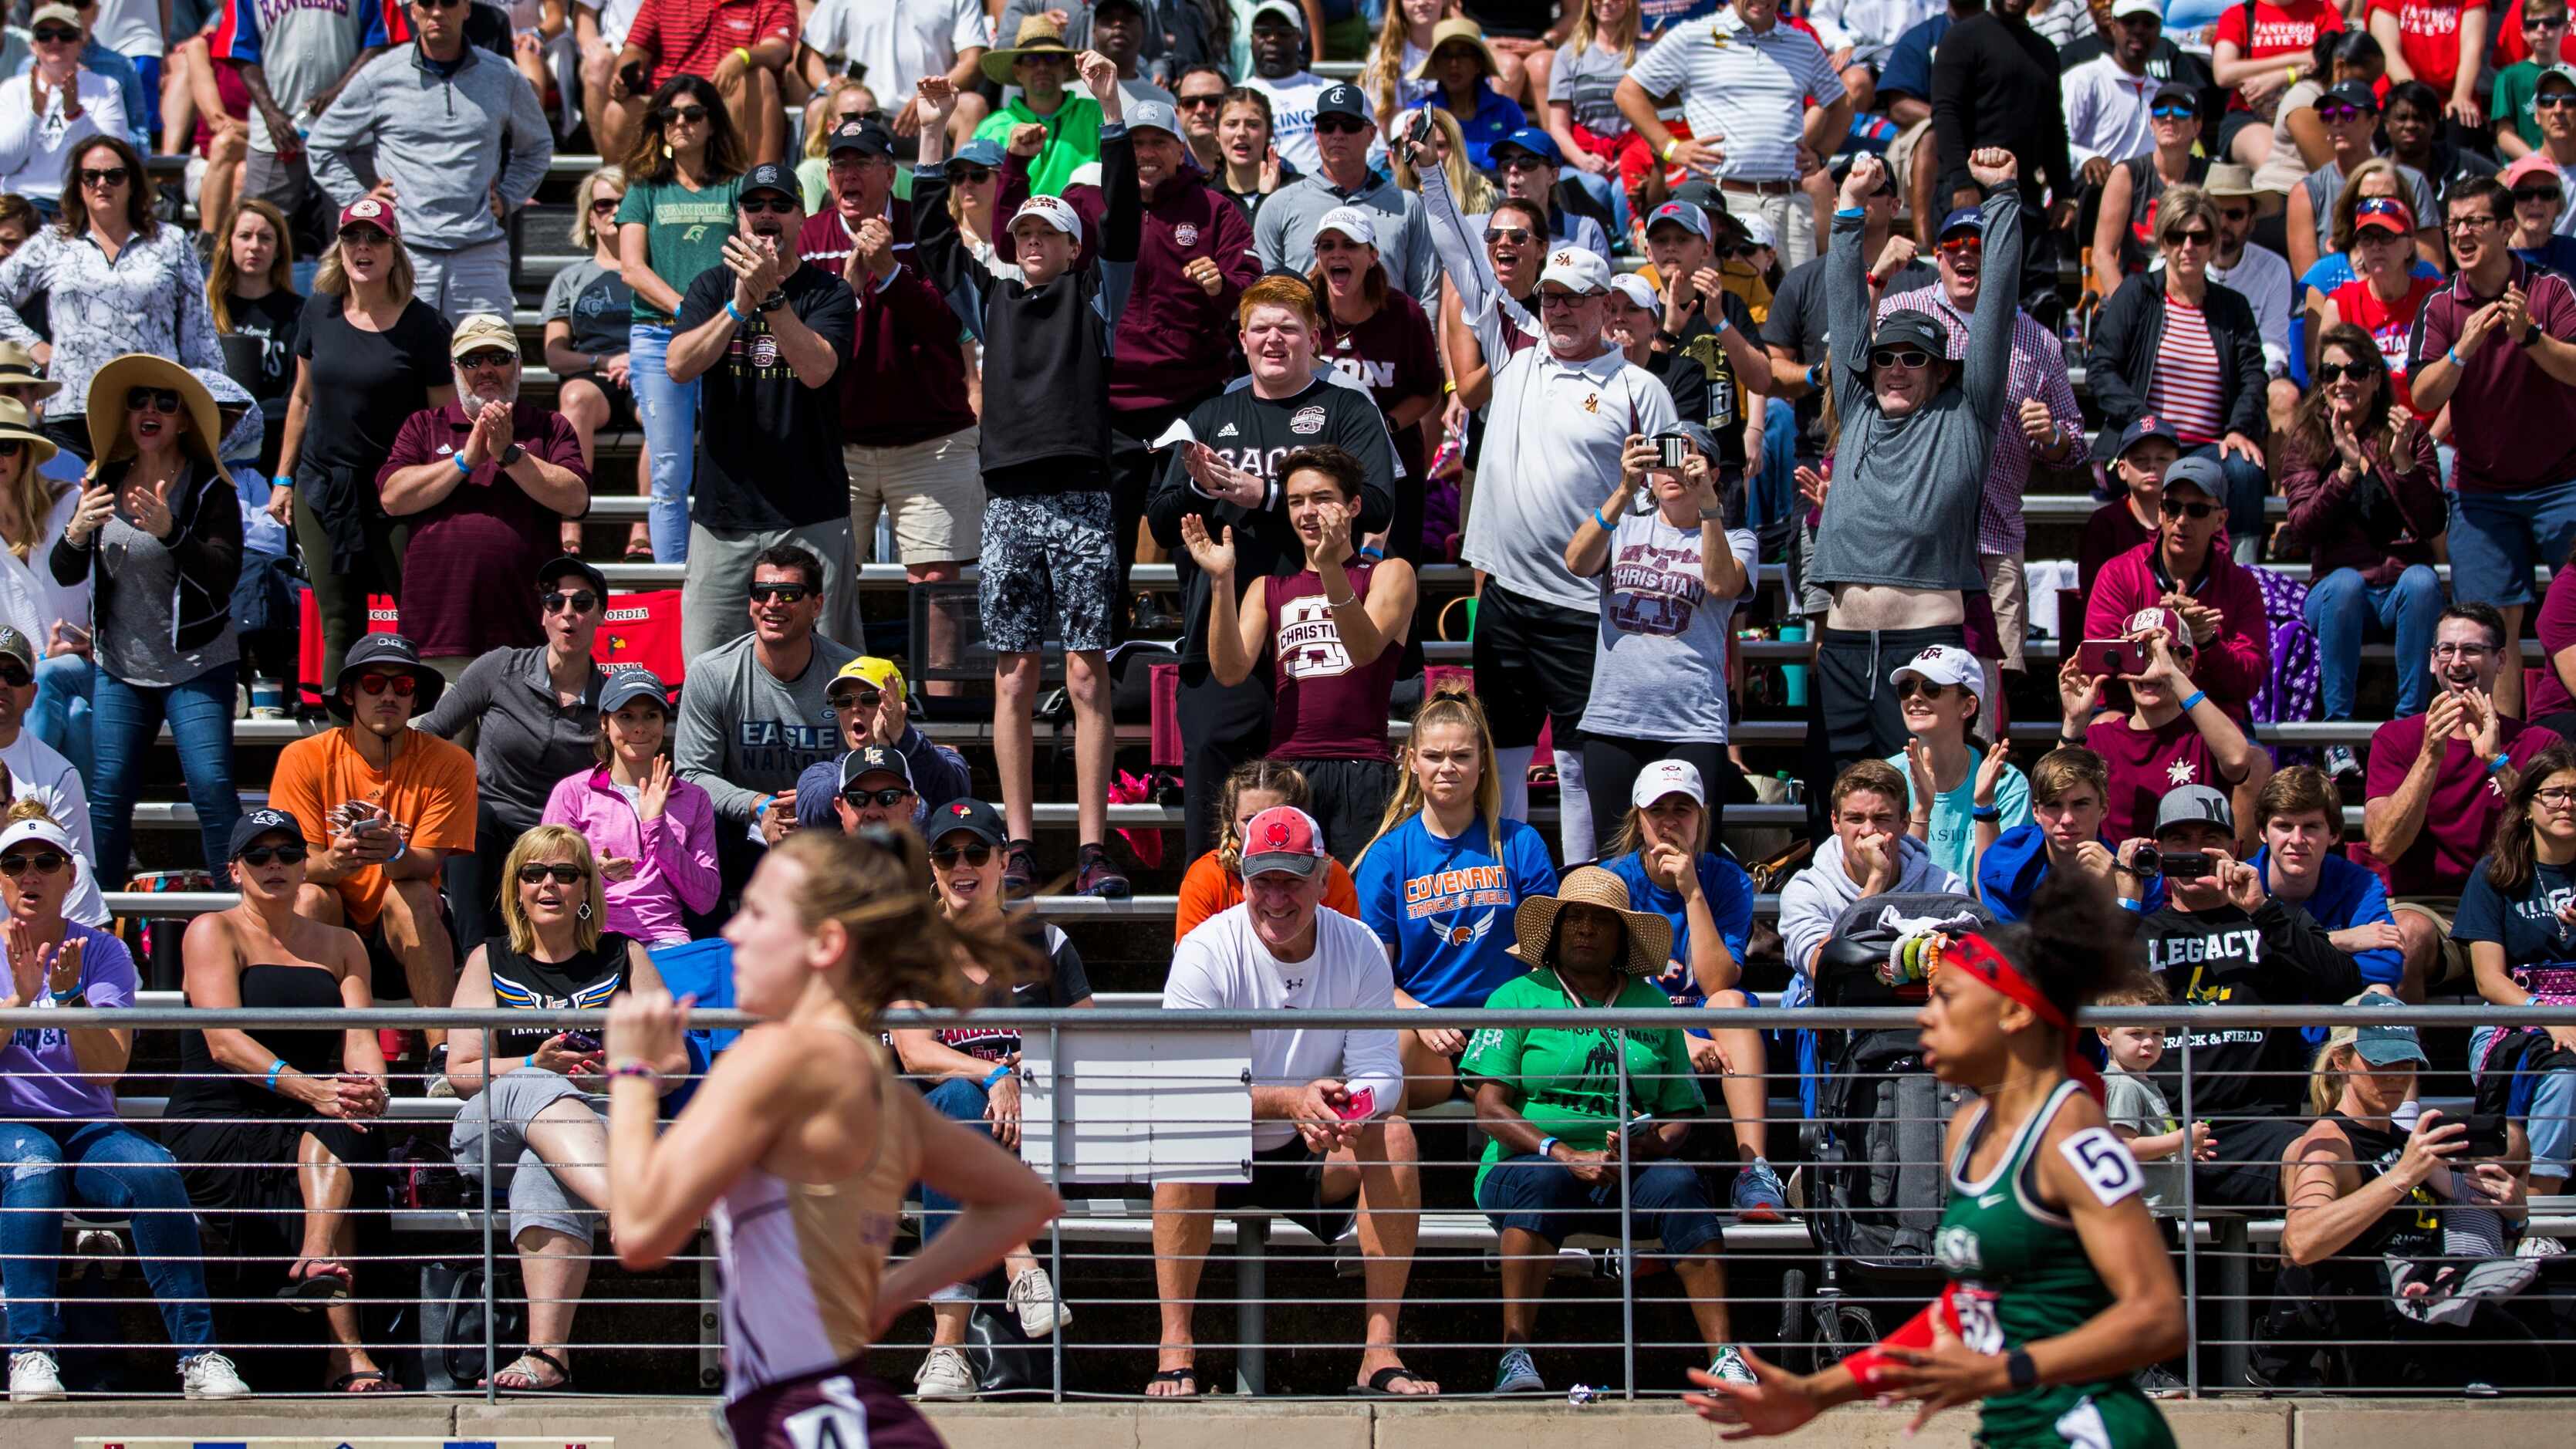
{"points": [[403, 685], [1911, 685], [2550, 194], [781, 593], [608, 204], [975, 856], [487, 357], [1561, 301], [1339, 126], [159, 399], [2174, 113], [1201, 102], [43, 862], [2471, 223], [1519, 236], [971, 175], [564, 874], [2339, 371], [692, 114], [2175, 508], [2342, 115], [891, 796], [1952, 246], [773, 206], [104, 176], [15, 676], [54, 35], [1522, 162], [282, 854], [1900, 357], [579, 601], [2559, 795], [2463, 651], [2194, 238], [857, 699]]}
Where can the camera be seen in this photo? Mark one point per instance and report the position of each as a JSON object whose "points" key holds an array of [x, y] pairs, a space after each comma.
{"points": [[2184, 864], [1672, 450]]}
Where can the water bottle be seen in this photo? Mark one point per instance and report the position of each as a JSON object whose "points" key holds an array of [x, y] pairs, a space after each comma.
{"points": [[1793, 677], [1721, 397]]}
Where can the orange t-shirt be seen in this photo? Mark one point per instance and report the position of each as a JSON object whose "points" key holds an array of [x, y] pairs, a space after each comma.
{"points": [[1208, 887], [429, 788]]}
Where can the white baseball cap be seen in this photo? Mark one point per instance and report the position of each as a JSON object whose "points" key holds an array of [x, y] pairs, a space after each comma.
{"points": [[1055, 211], [2123, 9], [1351, 221], [1757, 227], [1577, 269], [1637, 290], [1667, 777], [1281, 8], [1943, 664]]}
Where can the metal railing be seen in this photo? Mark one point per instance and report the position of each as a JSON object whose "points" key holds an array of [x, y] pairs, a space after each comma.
{"points": [[1793, 1290]]}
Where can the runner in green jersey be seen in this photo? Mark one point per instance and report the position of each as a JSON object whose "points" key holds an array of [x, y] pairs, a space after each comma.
{"points": [[2059, 1283]]}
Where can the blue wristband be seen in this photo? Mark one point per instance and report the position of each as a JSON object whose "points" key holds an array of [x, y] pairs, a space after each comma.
{"points": [[1546, 1145], [2127, 904], [401, 849], [2193, 698], [1988, 813], [462, 466], [282, 480], [1853, 213], [733, 311], [274, 1068], [2451, 355], [997, 1074], [2499, 763], [1605, 523]]}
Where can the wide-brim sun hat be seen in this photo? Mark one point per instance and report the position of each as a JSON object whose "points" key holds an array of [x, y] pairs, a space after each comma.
{"points": [[1038, 36], [14, 423], [107, 389], [1457, 28], [1650, 936]]}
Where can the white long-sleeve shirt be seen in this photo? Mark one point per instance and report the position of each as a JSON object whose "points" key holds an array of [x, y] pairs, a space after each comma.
{"points": [[2106, 111], [34, 149], [1223, 966]]}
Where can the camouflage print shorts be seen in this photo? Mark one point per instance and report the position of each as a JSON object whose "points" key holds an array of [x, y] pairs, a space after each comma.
{"points": [[1049, 560]]}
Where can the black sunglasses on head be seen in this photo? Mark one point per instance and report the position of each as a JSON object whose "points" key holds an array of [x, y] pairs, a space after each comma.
{"points": [[282, 854], [564, 873]]}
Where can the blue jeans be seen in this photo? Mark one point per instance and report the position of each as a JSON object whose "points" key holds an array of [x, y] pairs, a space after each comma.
{"points": [[127, 717], [2496, 538], [2545, 1103], [2343, 611], [2247, 482], [61, 717], [670, 414], [958, 1100], [1607, 191], [113, 1169]]}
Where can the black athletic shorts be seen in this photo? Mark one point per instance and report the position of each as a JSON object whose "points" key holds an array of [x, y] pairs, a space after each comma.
{"points": [[1289, 1180], [839, 1407], [1533, 664]]}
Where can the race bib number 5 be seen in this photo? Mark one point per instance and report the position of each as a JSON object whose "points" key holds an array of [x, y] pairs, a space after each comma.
{"points": [[2103, 1161]]}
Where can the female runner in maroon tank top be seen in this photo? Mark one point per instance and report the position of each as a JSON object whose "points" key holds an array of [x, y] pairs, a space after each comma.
{"points": [[801, 1143], [1330, 637]]}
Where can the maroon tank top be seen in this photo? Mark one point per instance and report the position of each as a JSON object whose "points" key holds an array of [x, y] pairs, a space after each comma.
{"points": [[1328, 707]]}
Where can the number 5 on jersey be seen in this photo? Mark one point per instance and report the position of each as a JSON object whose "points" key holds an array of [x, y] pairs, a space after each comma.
{"points": [[2103, 1161]]}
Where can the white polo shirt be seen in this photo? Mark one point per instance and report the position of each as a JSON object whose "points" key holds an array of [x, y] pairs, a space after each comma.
{"points": [[1554, 433], [1746, 92], [1223, 966]]}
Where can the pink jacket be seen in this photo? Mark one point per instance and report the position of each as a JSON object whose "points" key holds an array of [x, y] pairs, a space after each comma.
{"points": [[675, 856]]}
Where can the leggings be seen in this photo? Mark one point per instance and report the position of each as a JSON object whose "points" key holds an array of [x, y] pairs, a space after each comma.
{"points": [[1611, 767], [341, 599]]}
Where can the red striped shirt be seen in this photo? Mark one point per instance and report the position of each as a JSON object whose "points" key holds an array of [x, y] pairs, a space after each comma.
{"points": [[2188, 388], [692, 36]]}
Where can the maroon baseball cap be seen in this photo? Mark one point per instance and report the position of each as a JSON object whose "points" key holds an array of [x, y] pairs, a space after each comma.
{"points": [[1283, 838], [368, 211]]}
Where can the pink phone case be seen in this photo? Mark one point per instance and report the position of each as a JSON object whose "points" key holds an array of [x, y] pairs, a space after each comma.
{"points": [[1363, 1103]]}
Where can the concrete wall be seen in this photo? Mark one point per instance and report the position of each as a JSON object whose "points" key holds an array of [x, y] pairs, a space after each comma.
{"points": [[686, 1424]]}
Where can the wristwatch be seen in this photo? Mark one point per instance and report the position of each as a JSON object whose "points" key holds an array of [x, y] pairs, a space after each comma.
{"points": [[2023, 1372], [511, 455], [773, 301], [2530, 334]]}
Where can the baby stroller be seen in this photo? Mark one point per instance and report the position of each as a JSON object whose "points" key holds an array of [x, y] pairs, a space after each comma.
{"points": [[1874, 1142]]}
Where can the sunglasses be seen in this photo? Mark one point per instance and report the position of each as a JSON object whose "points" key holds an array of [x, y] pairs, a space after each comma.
{"points": [[580, 601], [857, 699], [437, 4], [772, 206], [782, 593], [689, 113], [1910, 686], [2550, 194], [2196, 237], [563, 874], [2339, 371], [2174, 113], [282, 854], [488, 357], [971, 175], [15, 676], [2193, 511], [1959, 245], [2554, 99], [1339, 126], [1900, 357], [1518, 236], [975, 856], [2342, 115], [44, 862], [403, 685], [1521, 162], [159, 399], [54, 35], [891, 796], [1201, 103], [104, 175], [363, 236], [11, 447], [608, 204]]}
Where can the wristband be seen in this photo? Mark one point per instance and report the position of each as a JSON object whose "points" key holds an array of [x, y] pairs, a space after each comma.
{"points": [[282, 480], [1989, 814], [745, 52], [2499, 763], [2022, 1370], [462, 466], [401, 849], [1670, 146], [65, 998], [1547, 1147], [1603, 522], [633, 1069], [2127, 904], [2452, 356], [1849, 213], [1814, 369], [997, 1074], [2193, 698], [274, 1068], [733, 311]]}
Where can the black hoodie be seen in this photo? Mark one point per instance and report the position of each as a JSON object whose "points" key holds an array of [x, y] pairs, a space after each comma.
{"points": [[2278, 956]]}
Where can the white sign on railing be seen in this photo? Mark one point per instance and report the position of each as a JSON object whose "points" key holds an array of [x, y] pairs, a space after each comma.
{"points": [[1137, 1106]]}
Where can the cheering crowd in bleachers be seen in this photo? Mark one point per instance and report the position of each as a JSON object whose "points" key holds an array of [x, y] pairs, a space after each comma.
{"points": [[1682, 325]]}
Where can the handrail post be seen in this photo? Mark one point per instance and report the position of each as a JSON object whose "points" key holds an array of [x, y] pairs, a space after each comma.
{"points": [[1055, 1180], [1627, 1234], [491, 1286], [2190, 1234]]}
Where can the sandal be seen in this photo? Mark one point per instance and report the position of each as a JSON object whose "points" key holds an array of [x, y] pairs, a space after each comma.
{"points": [[1188, 1376], [377, 1381], [529, 1366], [1376, 1387], [312, 1283]]}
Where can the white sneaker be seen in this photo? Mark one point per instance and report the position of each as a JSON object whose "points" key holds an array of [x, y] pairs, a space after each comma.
{"points": [[1032, 1297], [210, 1375], [1729, 1365], [2535, 1245], [33, 1377], [944, 1376]]}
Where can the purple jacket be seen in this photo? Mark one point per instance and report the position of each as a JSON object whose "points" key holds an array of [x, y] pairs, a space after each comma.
{"points": [[675, 856]]}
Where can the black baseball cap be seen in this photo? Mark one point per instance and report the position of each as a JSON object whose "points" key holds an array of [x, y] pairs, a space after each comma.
{"points": [[2174, 90], [869, 760], [868, 138], [256, 823], [1343, 100], [2356, 94], [770, 176], [386, 651], [974, 817], [563, 564], [1907, 327]]}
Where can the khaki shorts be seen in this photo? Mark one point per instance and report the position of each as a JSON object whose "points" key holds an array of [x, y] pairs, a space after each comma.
{"points": [[2454, 960], [1900, 160], [933, 489], [2008, 592]]}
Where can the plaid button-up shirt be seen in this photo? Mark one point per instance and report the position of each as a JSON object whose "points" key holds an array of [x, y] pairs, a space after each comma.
{"points": [[2038, 371]]}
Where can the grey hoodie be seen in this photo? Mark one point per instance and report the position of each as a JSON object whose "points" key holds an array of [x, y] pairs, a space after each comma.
{"points": [[440, 140], [1815, 896]]}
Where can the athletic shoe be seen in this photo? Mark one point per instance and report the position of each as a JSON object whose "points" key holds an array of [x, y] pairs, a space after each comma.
{"points": [[434, 1075], [2537, 1246], [1758, 1198], [1517, 1375], [211, 1376], [1098, 877], [944, 1376], [1032, 1297], [1019, 871], [33, 1377], [1729, 1366], [2340, 761], [2158, 1382]]}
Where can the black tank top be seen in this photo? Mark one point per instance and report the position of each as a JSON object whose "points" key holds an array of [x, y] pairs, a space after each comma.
{"points": [[523, 983], [2411, 1229], [207, 1089]]}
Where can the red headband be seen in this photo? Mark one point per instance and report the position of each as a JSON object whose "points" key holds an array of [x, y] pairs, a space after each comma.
{"points": [[1979, 958]]}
